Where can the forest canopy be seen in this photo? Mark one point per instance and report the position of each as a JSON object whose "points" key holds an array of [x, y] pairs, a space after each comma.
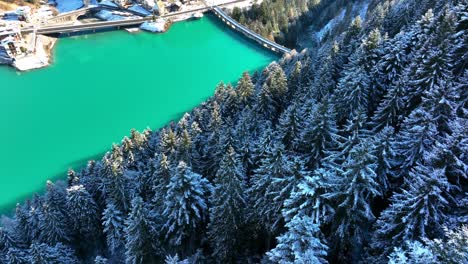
{"points": [[351, 152]]}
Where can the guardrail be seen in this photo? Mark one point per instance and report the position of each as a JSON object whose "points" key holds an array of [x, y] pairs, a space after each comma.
{"points": [[101, 24], [249, 33], [136, 21]]}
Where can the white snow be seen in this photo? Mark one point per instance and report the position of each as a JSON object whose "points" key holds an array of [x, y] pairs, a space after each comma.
{"points": [[139, 9], [108, 15], [33, 61], [158, 26], [358, 9], [330, 25], [108, 3], [362, 9]]}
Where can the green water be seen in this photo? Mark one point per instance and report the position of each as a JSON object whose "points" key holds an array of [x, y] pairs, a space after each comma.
{"points": [[99, 87]]}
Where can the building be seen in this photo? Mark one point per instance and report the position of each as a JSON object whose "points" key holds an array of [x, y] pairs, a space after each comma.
{"points": [[123, 2], [24, 12], [147, 4], [10, 41], [174, 7]]}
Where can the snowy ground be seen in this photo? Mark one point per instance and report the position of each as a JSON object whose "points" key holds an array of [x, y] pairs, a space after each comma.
{"points": [[33, 61], [139, 9], [330, 25], [158, 26], [360, 8], [108, 15], [245, 4]]}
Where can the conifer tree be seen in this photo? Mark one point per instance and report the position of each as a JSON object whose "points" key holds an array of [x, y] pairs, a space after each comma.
{"points": [[325, 81], [160, 175], [353, 90], [383, 150], [272, 95], [6, 242], [290, 124], [432, 71], [390, 109], [416, 136], [58, 254], [17, 256], [394, 60], [115, 183], [113, 223], [140, 246], [412, 252], [213, 142], [53, 218], [245, 89], [458, 52], [262, 144], [228, 207], [175, 260], [34, 219], [453, 248], [185, 206], [300, 244], [168, 143], [185, 146], [417, 211], [83, 214], [295, 80], [23, 230], [449, 152], [440, 101], [100, 260], [288, 183], [352, 194], [307, 199], [319, 134], [274, 167]]}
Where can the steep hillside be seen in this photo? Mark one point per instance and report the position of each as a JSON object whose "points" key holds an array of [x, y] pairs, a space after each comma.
{"points": [[353, 152]]}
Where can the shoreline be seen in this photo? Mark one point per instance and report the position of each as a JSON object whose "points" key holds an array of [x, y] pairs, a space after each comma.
{"points": [[41, 53], [43, 56]]}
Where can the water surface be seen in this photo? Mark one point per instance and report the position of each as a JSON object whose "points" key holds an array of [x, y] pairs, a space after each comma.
{"points": [[102, 85]]}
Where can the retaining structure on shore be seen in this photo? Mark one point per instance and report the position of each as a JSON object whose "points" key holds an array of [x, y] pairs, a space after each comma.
{"points": [[54, 29], [266, 43]]}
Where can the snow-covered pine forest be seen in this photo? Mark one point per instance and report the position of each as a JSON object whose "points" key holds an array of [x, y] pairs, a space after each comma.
{"points": [[351, 153]]}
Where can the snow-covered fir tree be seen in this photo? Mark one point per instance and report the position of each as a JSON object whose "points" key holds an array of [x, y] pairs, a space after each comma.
{"points": [[185, 206], [301, 243], [359, 139], [113, 222], [228, 207], [140, 245]]}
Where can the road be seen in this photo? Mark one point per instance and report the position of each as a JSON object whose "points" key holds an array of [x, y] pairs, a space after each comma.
{"points": [[109, 24]]}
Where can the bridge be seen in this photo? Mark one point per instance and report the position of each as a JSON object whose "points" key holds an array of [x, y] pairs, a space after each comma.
{"points": [[59, 29], [71, 16], [249, 33]]}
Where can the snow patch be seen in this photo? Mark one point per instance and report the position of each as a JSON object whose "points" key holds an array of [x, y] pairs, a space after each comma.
{"points": [[330, 25], [140, 10], [108, 15], [158, 26], [108, 3], [362, 9]]}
